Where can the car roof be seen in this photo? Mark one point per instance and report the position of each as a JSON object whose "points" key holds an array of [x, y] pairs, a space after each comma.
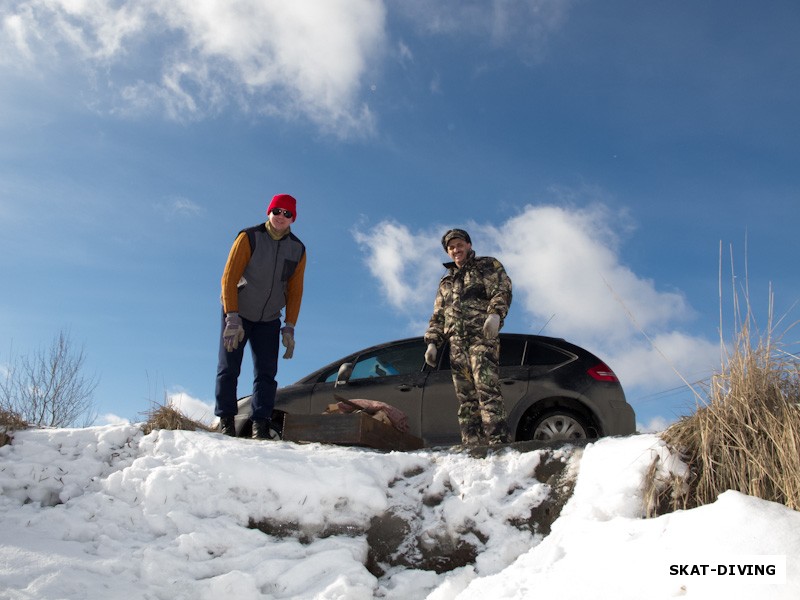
{"points": [[559, 342]]}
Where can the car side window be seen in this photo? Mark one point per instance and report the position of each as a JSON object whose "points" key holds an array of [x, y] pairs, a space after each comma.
{"points": [[399, 359], [511, 352], [543, 354], [329, 377]]}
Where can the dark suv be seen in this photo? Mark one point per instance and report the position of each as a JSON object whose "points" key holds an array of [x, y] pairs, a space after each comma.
{"points": [[553, 390]]}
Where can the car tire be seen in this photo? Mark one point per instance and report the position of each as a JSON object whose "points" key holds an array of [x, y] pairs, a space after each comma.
{"points": [[559, 425], [246, 430]]}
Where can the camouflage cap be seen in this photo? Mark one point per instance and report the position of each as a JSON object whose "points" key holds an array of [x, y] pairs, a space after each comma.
{"points": [[455, 233]]}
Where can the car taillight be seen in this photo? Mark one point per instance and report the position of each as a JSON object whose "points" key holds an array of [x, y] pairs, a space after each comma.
{"points": [[602, 372]]}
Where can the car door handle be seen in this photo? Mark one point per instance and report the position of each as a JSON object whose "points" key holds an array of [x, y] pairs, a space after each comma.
{"points": [[404, 387], [508, 381]]}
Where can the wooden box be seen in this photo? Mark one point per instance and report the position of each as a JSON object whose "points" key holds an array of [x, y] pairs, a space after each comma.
{"points": [[355, 429]]}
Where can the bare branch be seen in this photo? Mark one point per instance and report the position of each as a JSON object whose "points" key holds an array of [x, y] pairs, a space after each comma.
{"points": [[47, 387]]}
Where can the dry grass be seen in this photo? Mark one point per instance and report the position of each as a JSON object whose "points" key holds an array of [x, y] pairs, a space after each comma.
{"points": [[167, 417], [747, 435], [9, 422], [158, 417]]}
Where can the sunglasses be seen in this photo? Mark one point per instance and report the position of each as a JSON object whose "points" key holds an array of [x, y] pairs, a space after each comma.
{"points": [[282, 211]]}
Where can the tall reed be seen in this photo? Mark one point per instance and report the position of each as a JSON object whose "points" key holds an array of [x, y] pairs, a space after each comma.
{"points": [[746, 436]]}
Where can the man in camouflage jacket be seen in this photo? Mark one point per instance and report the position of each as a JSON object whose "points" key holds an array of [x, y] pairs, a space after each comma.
{"points": [[471, 305]]}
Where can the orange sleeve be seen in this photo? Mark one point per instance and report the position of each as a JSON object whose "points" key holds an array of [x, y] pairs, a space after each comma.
{"points": [[294, 291], [238, 258]]}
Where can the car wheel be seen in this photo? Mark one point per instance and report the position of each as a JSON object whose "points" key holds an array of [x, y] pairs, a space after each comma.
{"points": [[244, 424], [246, 429], [558, 425]]}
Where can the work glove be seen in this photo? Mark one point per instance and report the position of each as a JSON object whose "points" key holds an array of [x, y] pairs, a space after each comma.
{"points": [[430, 355], [287, 338], [491, 326], [234, 332]]}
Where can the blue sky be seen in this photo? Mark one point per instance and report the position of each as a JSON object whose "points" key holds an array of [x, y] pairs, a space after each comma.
{"points": [[607, 152]]}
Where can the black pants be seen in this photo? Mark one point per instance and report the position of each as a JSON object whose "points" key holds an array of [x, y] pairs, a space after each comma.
{"points": [[264, 340]]}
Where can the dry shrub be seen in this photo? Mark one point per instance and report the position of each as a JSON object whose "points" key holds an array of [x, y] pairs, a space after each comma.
{"points": [[167, 417], [159, 417], [9, 422], [746, 437]]}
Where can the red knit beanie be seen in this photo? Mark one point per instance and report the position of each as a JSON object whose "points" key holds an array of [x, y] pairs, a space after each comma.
{"points": [[284, 201]]}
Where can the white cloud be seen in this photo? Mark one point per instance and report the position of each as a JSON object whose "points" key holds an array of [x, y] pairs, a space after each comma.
{"points": [[111, 419], [655, 425], [405, 264], [671, 356], [179, 207], [14, 37], [304, 59], [195, 409], [300, 58], [566, 271], [97, 30], [565, 263], [524, 24], [404, 53]]}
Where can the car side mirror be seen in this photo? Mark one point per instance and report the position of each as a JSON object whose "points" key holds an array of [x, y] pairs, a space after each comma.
{"points": [[345, 371]]}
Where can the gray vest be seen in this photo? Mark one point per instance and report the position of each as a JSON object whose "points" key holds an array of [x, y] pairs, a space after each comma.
{"points": [[262, 294]]}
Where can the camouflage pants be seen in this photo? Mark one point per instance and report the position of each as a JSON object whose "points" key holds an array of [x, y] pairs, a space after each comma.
{"points": [[481, 412]]}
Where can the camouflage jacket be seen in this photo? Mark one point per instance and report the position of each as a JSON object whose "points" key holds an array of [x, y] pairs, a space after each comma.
{"points": [[466, 296]]}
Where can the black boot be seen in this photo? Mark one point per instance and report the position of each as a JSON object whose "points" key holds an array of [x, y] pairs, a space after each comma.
{"points": [[262, 430], [227, 426]]}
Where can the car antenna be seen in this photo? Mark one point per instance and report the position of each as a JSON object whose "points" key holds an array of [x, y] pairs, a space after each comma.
{"points": [[546, 323]]}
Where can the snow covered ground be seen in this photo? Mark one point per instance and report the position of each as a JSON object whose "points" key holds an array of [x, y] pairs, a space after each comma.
{"points": [[107, 512]]}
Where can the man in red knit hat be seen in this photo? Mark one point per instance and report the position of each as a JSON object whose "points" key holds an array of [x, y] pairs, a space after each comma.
{"points": [[263, 275]]}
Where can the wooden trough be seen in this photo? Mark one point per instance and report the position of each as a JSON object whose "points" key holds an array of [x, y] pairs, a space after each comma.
{"points": [[354, 429]]}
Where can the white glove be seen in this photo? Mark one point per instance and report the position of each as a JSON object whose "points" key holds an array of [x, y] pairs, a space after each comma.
{"points": [[430, 355], [491, 326], [234, 332], [287, 338]]}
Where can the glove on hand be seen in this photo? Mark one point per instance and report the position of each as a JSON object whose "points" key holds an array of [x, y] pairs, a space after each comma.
{"points": [[430, 355], [491, 326], [234, 332], [287, 338]]}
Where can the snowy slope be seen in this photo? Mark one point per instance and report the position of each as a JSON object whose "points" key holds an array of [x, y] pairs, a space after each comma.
{"points": [[107, 512]]}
